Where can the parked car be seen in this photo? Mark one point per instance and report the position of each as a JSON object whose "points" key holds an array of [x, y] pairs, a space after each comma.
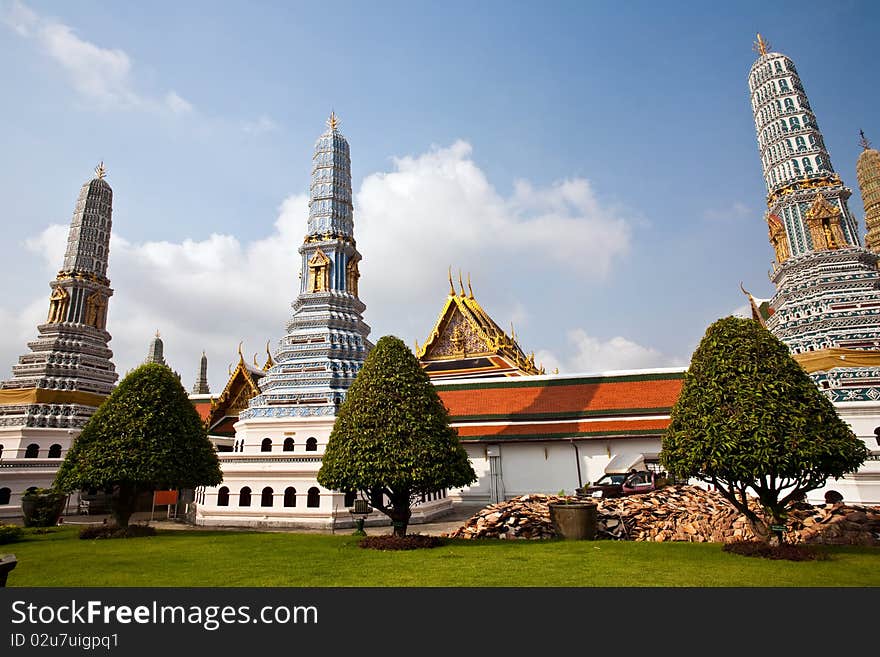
{"points": [[620, 484]]}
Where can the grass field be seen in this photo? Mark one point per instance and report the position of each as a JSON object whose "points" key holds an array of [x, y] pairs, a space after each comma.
{"points": [[178, 558]]}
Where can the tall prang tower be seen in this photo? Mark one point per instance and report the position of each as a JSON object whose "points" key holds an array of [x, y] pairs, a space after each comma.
{"points": [[826, 307], [58, 385]]}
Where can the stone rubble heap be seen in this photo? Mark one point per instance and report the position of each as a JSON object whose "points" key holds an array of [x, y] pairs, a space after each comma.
{"points": [[674, 513]]}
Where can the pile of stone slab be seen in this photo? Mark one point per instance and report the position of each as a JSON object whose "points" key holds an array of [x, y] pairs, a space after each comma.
{"points": [[674, 513]]}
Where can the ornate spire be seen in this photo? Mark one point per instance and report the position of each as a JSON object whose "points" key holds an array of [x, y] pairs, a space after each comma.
{"points": [[333, 122], [201, 385], [863, 142], [761, 46], [100, 170], [156, 352]]}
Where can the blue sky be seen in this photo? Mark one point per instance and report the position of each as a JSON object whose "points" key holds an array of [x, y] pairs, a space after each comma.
{"points": [[593, 165]]}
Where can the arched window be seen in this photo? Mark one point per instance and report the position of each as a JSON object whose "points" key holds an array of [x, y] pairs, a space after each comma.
{"points": [[244, 497], [314, 497], [5, 494], [784, 125], [820, 163], [801, 144], [796, 166], [32, 451], [795, 123], [312, 445], [267, 497], [783, 85], [288, 444], [223, 496], [349, 498], [266, 445], [808, 166], [55, 451], [778, 66], [789, 104], [290, 496]]}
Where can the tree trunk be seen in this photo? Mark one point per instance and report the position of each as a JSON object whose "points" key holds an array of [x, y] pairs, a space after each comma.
{"points": [[400, 514], [122, 503]]}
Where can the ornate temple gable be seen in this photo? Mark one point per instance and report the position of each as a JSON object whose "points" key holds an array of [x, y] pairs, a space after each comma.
{"points": [[241, 387], [466, 341], [823, 221]]}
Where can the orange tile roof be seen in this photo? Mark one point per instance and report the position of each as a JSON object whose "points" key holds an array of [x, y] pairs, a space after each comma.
{"points": [[551, 430], [565, 398]]}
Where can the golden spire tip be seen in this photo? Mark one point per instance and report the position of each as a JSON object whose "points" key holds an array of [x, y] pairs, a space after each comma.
{"points": [[460, 283], [333, 121], [761, 46], [240, 356], [451, 288], [470, 289]]}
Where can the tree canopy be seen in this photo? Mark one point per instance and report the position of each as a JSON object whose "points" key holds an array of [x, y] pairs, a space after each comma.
{"points": [[145, 436], [750, 418], [392, 441]]}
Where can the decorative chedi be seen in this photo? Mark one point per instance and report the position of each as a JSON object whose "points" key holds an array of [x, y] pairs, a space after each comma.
{"points": [[827, 303], [281, 434], [156, 352], [326, 340], [68, 373], [201, 387], [868, 176]]}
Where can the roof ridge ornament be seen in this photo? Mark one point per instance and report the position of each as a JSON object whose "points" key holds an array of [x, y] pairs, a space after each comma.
{"points": [[451, 287], [761, 46], [470, 289]]}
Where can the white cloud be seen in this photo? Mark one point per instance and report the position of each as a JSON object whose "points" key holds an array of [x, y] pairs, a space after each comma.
{"points": [[261, 126], [743, 311], [590, 354], [101, 76], [734, 212], [411, 223]]}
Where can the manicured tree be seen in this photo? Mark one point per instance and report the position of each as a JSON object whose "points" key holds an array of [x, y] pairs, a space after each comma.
{"points": [[749, 418], [145, 436], [392, 441]]}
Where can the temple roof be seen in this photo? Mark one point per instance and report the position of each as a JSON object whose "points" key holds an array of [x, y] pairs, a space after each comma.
{"points": [[466, 341], [241, 387], [543, 407], [761, 308]]}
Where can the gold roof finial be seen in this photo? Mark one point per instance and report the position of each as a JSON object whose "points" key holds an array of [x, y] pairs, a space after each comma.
{"points": [[512, 332], [470, 289], [100, 170], [333, 121], [416, 344], [269, 361], [451, 287], [460, 283], [240, 355], [761, 46], [863, 142]]}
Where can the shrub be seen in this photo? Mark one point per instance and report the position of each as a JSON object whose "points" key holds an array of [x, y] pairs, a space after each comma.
{"points": [[9, 534], [115, 531], [781, 551], [393, 542]]}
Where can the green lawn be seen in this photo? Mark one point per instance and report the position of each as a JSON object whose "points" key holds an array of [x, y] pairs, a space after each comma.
{"points": [[217, 558]]}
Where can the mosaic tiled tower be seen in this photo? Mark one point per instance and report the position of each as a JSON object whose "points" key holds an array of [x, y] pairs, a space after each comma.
{"points": [[58, 385], [827, 302], [326, 340], [68, 371], [201, 387]]}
